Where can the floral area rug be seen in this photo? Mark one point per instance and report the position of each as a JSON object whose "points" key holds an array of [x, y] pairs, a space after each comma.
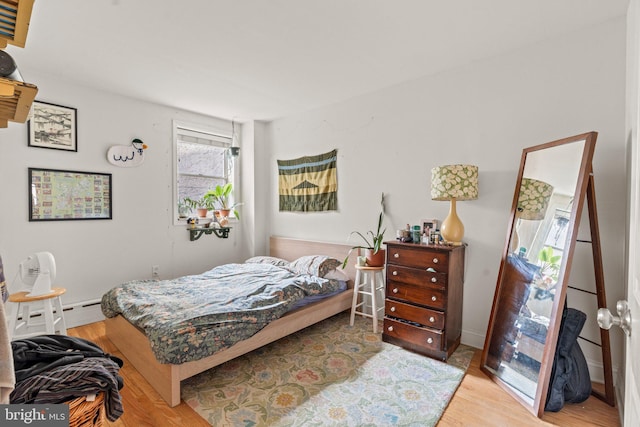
{"points": [[329, 374]]}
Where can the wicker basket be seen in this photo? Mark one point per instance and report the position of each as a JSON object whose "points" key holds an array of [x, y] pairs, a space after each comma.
{"points": [[83, 413]]}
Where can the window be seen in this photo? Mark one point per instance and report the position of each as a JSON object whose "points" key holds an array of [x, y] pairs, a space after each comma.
{"points": [[202, 161]]}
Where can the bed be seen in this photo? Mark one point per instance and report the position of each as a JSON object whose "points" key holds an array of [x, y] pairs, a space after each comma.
{"points": [[165, 378]]}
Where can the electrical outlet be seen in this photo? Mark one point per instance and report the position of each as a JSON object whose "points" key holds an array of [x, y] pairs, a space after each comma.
{"points": [[155, 271]]}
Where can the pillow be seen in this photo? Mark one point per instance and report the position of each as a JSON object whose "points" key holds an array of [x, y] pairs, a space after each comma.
{"points": [[279, 262], [316, 265]]}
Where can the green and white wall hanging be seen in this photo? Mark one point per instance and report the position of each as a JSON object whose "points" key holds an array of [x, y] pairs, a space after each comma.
{"points": [[309, 183]]}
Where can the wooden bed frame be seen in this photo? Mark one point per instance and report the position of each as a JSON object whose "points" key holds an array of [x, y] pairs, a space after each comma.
{"points": [[165, 378]]}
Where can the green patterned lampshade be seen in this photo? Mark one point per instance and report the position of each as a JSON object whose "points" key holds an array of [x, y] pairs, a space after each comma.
{"points": [[533, 200], [458, 182], [454, 182]]}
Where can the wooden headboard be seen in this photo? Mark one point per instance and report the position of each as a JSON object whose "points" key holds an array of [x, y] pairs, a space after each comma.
{"points": [[291, 249]]}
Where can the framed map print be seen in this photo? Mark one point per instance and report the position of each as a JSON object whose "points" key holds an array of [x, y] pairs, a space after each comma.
{"points": [[53, 126], [58, 195]]}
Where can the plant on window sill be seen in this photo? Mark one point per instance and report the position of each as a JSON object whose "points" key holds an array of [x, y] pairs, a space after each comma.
{"points": [[221, 196], [201, 205]]}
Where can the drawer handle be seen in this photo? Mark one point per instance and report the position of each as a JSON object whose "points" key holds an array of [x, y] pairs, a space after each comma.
{"points": [[431, 319], [435, 260], [390, 329], [434, 280], [393, 309], [395, 273], [396, 255], [430, 341], [395, 291], [433, 298]]}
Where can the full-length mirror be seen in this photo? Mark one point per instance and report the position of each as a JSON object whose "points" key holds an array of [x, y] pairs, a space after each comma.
{"points": [[531, 287]]}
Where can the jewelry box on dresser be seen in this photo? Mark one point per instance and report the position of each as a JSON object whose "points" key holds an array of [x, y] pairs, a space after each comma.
{"points": [[423, 304]]}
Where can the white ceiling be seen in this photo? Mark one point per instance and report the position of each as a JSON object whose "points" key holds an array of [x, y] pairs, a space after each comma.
{"points": [[263, 59]]}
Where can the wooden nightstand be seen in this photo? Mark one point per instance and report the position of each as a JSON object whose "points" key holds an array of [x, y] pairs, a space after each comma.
{"points": [[423, 306]]}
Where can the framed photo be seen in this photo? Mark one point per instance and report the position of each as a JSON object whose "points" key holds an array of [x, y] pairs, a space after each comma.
{"points": [[429, 225], [58, 195], [53, 126]]}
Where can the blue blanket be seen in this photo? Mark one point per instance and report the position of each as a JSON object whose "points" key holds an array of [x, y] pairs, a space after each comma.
{"points": [[193, 317]]}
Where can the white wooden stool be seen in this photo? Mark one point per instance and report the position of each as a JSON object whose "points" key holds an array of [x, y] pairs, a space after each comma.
{"points": [[375, 283], [51, 302]]}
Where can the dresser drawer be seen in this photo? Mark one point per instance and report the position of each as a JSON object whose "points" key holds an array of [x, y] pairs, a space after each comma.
{"points": [[417, 257], [416, 276], [417, 294], [423, 337], [421, 315]]}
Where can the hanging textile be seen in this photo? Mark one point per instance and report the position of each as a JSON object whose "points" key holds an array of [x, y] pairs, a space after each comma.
{"points": [[308, 184]]}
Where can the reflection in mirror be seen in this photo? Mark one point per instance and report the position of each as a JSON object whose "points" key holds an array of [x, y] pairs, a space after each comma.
{"points": [[531, 285]]}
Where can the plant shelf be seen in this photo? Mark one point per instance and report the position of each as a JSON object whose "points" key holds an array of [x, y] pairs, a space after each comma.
{"points": [[197, 232]]}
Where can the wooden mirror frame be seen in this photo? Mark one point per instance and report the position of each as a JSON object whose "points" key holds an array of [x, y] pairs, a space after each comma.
{"points": [[502, 318]]}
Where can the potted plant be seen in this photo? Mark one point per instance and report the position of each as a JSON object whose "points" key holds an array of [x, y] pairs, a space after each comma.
{"points": [[372, 248], [201, 205], [184, 208], [549, 265], [221, 196]]}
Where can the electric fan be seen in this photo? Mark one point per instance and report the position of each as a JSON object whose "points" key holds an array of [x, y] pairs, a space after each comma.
{"points": [[37, 272]]}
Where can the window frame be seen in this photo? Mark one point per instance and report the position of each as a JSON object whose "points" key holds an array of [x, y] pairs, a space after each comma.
{"points": [[214, 131]]}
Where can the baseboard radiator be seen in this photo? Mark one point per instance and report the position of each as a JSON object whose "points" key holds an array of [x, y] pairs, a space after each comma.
{"points": [[76, 314]]}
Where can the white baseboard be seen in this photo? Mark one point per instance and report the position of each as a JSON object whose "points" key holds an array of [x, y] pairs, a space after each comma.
{"points": [[596, 370], [82, 313], [472, 339]]}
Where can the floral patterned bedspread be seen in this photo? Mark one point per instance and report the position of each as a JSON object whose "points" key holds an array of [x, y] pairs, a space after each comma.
{"points": [[193, 317]]}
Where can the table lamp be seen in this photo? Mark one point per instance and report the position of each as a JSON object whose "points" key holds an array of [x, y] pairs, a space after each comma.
{"points": [[533, 201], [454, 182]]}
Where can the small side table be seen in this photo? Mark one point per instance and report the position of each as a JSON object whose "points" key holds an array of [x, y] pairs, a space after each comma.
{"points": [[51, 301], [375, 278]]}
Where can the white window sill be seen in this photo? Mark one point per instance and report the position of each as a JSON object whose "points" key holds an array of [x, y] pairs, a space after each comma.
{"points": [[182, 222]]}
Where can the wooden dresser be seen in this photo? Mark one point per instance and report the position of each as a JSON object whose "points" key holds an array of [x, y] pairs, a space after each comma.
{"points": [[423, 305]]}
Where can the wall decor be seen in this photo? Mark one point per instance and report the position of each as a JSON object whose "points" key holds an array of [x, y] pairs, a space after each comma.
{"points": [[127, 156], [309, 184], [53, 126], [58, 195]]}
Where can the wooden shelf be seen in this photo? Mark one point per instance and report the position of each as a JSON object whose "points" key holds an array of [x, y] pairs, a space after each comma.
{"points": [[15, 108], [16, 96]]}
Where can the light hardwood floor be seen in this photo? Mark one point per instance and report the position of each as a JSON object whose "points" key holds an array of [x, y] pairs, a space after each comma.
{"points": [[478, 401]]}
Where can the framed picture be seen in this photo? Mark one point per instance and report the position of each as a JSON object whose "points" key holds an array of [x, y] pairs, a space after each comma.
{"points": [[429, 225], [53, 126], [58, 195]]}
